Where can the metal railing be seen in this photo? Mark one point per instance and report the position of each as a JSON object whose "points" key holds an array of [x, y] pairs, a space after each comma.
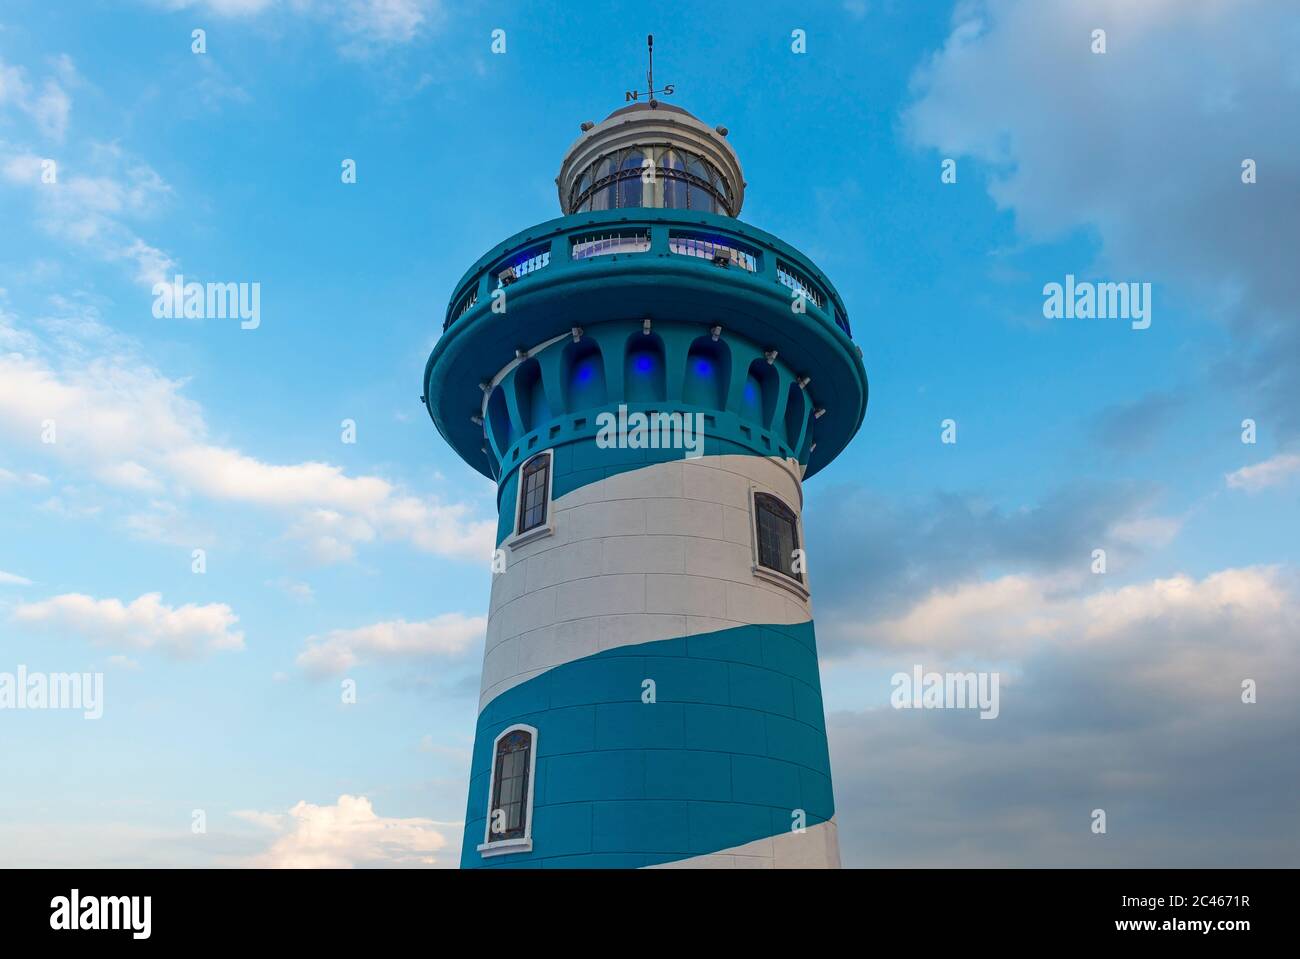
{"points": [[604, 244], [467, 303], [709, 249], [787, 275], [741, 253], [531, 262]]}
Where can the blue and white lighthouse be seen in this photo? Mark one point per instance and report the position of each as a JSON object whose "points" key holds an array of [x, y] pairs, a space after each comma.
{"points": [[649, 381]]}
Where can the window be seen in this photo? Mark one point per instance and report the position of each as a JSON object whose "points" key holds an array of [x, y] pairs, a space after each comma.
{"points": [[629, 179], [509, 825], [778, 535], [684, 181], [534, 490]]}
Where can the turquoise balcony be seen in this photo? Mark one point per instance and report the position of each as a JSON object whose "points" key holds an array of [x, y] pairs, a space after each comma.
{"points": [[683, 270]]}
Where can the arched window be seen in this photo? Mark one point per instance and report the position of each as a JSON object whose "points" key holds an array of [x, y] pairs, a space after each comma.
{"points": [[534, 491], [684, 180], [672, 166], [510, 793], [629, 174], [777, 532]]}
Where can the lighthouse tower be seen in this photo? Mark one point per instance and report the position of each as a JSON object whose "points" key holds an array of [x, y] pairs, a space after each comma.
{"points": [[649, 381]]}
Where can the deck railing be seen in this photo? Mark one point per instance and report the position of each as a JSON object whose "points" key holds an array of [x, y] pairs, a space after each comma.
{"points": [[754, 258]]}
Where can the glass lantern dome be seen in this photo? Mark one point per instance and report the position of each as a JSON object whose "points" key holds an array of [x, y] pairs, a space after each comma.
{"points": [[651, 155]]}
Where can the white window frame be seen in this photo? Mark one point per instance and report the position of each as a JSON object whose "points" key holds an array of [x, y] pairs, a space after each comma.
{"points": [[523, 843], [547, 528], [762, 572]]}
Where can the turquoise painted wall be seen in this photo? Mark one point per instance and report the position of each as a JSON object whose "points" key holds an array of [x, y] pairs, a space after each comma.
{"points": [[735, 742]]}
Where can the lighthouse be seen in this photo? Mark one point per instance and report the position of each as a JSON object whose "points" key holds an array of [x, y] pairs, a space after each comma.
{"points": [[649, 381]]}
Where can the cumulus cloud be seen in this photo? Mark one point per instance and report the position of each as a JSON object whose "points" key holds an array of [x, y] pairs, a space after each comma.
{"points": [[1115, 144], [346, 835], [1271, 472], [1127, 699], [339, 650], [903, 547], [145, 623], [92, 210], [1013, 615], [132, 428], [94, 192]]}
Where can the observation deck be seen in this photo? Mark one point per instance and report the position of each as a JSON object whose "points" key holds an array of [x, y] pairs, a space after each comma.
{"points": [[636, 263]]}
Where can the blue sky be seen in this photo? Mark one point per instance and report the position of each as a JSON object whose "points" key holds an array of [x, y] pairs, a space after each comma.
{"points": [[368, 561]]}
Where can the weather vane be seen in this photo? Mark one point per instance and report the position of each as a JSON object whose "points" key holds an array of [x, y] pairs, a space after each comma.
{"points": [[667, 91]]}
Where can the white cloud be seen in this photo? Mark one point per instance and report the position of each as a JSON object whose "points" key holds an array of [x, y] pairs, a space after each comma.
{"points": [[450, 634], [223, 8], [302, 592], [48, 108], [145, 623], [22, 479], [344, 836], [1141, 147], [94, 190], [388, 21], [1181, 623], [91, 200], [228, 474], [13, 579], [132, 428], [1119, 699], [366, 23], [1271, 472], [1147, 532]]}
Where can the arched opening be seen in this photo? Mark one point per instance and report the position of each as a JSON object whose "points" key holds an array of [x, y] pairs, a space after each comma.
{"points": [[530, 395], [584, 376], [644, 377], [499, 420], [794, 414], [758, 399], [708, 373]]}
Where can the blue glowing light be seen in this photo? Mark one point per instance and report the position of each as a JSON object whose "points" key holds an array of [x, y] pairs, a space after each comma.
{"points": [[643, 363], [703, 367]]}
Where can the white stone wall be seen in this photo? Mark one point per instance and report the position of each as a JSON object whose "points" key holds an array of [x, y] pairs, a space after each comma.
{"points": [[653, 553], [817, 847]]}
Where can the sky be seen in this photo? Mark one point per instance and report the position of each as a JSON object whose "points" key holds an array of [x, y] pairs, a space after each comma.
{"points": [[302, 692]]}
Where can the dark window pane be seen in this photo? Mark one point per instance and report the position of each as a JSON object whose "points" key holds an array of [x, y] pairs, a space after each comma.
{"points": [[510, 786], [700, 198], [532, 501], [629, 179], [630, 189], [778, 535]]}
